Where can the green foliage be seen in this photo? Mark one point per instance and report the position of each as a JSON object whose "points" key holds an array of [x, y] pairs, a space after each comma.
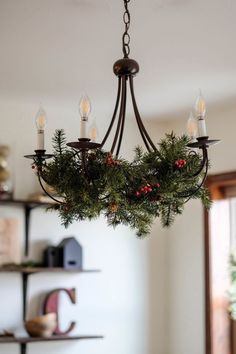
{"points": [[116, 188], [232, 292]]}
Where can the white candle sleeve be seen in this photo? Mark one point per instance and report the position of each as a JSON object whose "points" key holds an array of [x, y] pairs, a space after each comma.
{"points": [[40, 139], [202, 127], [83, 125]]}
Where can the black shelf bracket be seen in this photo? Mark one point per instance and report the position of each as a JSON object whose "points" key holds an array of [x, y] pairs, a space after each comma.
{"points": [[23, 348], [27, 210], [24, 293]]}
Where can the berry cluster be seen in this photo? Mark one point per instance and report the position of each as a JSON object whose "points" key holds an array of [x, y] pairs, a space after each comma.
{"points": [[148, 188], [180, 163], [110, 161]]}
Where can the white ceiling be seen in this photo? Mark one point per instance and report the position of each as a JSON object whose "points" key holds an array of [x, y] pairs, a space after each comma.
{"points": [[59, 49]]}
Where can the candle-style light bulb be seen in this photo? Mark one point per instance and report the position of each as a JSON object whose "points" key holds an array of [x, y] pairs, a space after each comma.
{"points": [[192, 127], [200, 105], [84, 109], [93, 132], [200, 110], [40, 120]]}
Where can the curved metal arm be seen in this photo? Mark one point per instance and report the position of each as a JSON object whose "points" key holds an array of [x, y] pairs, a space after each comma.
{"points": [[114, 114], [123, 115], [120, 119], [198, 187], [45, 191], [146, 138], [204, 161]]}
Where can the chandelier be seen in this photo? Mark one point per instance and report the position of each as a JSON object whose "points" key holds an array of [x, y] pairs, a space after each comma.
{"points": [[91, 181]]}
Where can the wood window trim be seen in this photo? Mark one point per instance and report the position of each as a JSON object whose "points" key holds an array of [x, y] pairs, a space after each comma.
{"points": [[217, 185]]}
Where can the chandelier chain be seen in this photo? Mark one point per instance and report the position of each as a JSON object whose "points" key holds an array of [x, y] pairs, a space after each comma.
{"points": [[126, 36]]}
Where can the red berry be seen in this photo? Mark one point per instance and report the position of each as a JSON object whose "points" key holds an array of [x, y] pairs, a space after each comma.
{"points": [[180, 163], [137, 194], [142, 189]]}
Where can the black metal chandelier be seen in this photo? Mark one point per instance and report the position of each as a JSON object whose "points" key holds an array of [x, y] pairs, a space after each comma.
{"points": [[125, 69]]}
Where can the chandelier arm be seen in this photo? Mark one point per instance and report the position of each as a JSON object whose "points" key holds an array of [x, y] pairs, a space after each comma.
{"points": [[120, 115], [114, 114], [204, 161], [189, 196], [46, 192], [142, 133], [124, 83], [142, 129]]}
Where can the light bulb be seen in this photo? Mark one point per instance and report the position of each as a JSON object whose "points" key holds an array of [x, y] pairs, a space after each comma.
{"points": [[84, 107], [41, 119], [40, 124], [200, 106], [93, 132], [192, 126]]}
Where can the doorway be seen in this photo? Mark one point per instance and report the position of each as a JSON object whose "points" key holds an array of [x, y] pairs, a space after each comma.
{"points": [[220, 243]]}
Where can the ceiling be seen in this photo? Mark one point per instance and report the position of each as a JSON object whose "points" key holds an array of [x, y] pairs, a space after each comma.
{"points": [[58, 49]]}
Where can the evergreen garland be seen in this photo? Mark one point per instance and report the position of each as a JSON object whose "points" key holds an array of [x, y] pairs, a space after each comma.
{"points": [[154, 184]]}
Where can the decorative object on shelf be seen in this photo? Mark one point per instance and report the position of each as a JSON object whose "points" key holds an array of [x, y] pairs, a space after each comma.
{"points": [[42, 326], [157, 183], [5, 188], [51, 304], [70, 254], [9, 241], [67, 255], [14, 266], [50, 257], [6, 333]]}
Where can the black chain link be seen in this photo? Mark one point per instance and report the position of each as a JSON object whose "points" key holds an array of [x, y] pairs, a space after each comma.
{"points": [[126, 36]]}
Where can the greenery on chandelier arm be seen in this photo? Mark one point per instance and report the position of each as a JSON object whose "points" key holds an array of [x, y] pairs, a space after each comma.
{"points": [[154, 184]]}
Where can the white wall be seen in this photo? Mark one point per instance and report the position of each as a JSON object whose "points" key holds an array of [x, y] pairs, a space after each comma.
{"points": [[185, 290], [126, 301]]}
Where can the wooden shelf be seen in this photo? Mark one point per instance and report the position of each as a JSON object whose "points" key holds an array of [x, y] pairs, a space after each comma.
{"points": [[34, 270], [25, 202], [24, 340]]}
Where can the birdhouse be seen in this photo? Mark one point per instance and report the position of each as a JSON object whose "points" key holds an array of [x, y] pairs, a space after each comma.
{"points": [[70, 254], [50, 257]]}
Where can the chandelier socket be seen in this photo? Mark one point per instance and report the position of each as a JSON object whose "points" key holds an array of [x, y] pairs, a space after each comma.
{"points": [[84, 144], [39, 156], [203, 142], [126, 67]]}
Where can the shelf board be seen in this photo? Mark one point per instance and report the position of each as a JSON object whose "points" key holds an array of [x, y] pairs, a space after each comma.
{"points": [[25, 202], [22, 340], [34, 270]]}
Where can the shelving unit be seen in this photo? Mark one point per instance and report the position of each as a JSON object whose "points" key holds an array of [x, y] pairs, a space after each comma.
{"points": [[27, 271]]}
